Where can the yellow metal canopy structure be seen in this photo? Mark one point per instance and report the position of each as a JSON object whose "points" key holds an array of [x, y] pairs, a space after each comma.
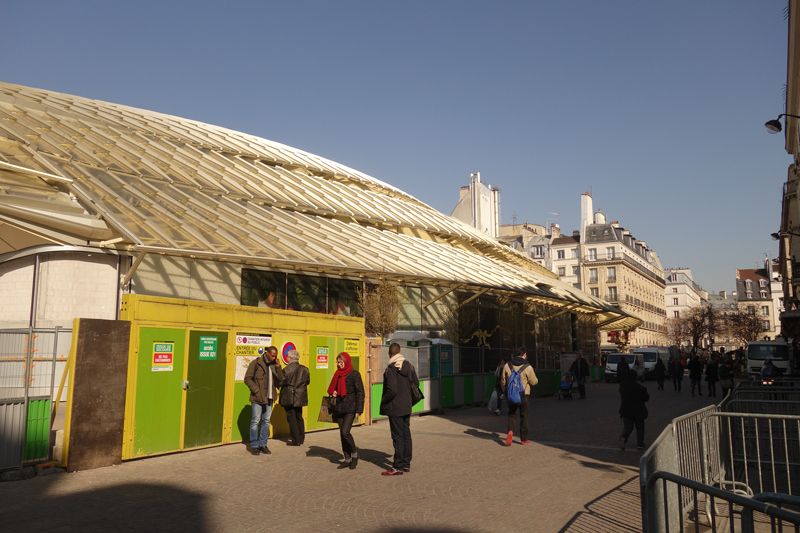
{"points": [[79, 171]]}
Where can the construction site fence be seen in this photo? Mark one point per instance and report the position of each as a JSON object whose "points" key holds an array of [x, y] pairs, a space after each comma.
{"points": [[32, 361], [716, 467]]}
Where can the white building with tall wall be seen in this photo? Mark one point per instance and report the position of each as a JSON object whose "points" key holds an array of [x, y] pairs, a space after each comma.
{"points": [[681, 293], [479, 206]]}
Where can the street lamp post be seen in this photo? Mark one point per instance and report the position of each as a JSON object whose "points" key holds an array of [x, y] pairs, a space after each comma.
{"points": [[774, 126]]}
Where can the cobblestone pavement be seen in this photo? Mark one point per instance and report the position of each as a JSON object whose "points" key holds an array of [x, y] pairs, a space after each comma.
{"points": [[572, 478]]}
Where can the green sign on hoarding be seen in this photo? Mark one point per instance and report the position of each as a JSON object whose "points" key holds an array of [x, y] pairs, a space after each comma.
{"points": [[208, 348]]}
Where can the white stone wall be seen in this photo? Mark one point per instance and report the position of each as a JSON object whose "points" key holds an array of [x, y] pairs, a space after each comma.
{"points": [[16, 286], [178, 277], [76, 285]]}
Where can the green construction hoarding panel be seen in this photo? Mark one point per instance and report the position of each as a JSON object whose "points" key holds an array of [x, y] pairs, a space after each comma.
{"points": [[448, 391], [321, 375], [205, 397], [469, 390], [241, 415], [159, 391], [37, 436]]}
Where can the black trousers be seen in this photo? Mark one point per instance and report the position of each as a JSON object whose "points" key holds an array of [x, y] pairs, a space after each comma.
{"points": [[523, 417], [676, 381], [712, 388], [400, 427], [297, 427], [345, 425]]}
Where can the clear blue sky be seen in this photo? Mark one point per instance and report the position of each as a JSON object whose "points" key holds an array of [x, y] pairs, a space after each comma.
{"points": [[658, 107]]}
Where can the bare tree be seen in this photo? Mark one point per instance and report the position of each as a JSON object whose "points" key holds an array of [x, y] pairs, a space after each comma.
{"points": [[460, 322], [676, 331], [699, 323], [382, 304], [743, 326]]}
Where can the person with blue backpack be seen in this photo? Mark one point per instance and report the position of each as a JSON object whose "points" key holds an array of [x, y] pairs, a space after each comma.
{"points": [[517, 380]]}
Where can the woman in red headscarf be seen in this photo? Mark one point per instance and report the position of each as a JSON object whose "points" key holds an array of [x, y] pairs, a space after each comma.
{"points": [[348, 389]]}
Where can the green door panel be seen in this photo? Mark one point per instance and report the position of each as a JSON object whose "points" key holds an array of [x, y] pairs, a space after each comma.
{"points": [[205, 396], [159, 393], [320, 378]]}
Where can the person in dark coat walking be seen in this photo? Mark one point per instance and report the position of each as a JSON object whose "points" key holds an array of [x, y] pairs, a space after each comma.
{"points": [[661, 371], [726, 377], [580, 369], [348, 389], [695, 368], [676, 373], [712, 376], [294, 396], [622, 368], [632, 410], [396, 403]]}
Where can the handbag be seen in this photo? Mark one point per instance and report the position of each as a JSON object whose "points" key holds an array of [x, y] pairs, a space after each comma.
{"points": [[326, 413], [287, 396], [416, 394]]}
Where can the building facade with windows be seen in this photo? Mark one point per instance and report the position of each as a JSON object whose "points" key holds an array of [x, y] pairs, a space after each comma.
{"points": [[479, 206], [755, 297], [681, 292], [607, 262], [724, 304]]}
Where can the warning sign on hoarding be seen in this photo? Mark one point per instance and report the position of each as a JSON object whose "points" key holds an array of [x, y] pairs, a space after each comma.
{"points": [[248, 347], [322, 357], [352, 347], [208, 348], [162, 356]]}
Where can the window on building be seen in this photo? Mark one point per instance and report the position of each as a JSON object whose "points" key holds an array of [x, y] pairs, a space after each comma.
{"points": [[575, 270], [612, 273], [537, 251], [750, 295], [674, 290], [594, 291], [561, 254], [674, 301], [576, 285], [592, 275], [592, 254], [676, 314], [764, 310], [562, 271], [763, 294], [612, 294], [574, 253], [610, 252], [765, 325], [762, 283], [751, 310]]}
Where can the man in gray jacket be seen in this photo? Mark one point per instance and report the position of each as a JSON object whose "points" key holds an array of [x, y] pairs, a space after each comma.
{"points": [[263, 377]]}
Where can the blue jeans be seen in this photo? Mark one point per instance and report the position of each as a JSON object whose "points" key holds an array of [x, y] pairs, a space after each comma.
{"points": [[261, 412], [627, 428]]}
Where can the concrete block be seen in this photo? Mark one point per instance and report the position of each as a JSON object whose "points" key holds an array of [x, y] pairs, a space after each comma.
{"points": [[58, 452], [45, 469], [18, 475], [60, 437]]}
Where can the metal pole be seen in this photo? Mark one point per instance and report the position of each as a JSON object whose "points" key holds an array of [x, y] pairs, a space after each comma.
{"points": [[52, 388], [26, 384]]}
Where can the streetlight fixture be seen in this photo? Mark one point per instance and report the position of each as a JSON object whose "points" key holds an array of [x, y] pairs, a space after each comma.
{"points": [[777, 236], [774, 126]]}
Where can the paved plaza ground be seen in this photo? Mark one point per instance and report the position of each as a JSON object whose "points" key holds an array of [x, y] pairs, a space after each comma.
{"points": [[463, 479]]}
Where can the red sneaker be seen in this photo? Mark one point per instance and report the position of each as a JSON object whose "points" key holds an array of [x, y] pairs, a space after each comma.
{"points": [[525, 442], [407, 470], [509, 437], [392, 472]]}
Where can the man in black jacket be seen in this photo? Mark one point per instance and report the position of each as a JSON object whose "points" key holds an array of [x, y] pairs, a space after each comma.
{"points": [[263, 377], [580, 371], [633, 410], [294, 395], [396, 403]]}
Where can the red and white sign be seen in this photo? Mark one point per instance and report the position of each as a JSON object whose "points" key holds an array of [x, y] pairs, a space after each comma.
{"points": [[162, 358]]}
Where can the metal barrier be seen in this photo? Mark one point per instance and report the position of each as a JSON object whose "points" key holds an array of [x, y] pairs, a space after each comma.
{"points": [[29, 364], [721, 454]]}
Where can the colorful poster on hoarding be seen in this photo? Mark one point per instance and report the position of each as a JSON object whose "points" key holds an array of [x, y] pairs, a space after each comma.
{"points": [[162, 356], [208, 348], [322, 357], [248, 347], [287, 346]]}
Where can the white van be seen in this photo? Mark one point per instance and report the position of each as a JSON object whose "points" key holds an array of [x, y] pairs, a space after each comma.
{"points": [[634, 361], [650, 355], [778, 351]]}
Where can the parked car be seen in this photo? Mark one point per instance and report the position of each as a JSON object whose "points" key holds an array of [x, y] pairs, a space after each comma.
{"points": [[634, 361]]}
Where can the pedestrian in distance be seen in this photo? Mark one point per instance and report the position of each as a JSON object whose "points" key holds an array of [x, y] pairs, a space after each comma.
{"points": [[632, 410], [676, 372], [695, 368], [294, 396], [726, 377], [263, 376], [498, 375], [712, 376], [518, 378], [580, 369], [396, 403], [348, 389], [661, 372], [622, 369]]}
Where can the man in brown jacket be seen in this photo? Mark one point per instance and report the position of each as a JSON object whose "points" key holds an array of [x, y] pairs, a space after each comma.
{"points": [[262, 378], [528, 378]]}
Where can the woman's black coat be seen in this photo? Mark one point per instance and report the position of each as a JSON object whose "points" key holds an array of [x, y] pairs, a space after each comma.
{"points": [[633, 398], [353, 401]]}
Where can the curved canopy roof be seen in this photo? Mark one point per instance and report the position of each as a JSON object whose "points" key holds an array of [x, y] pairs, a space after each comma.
{"points": [[80, 171]]}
